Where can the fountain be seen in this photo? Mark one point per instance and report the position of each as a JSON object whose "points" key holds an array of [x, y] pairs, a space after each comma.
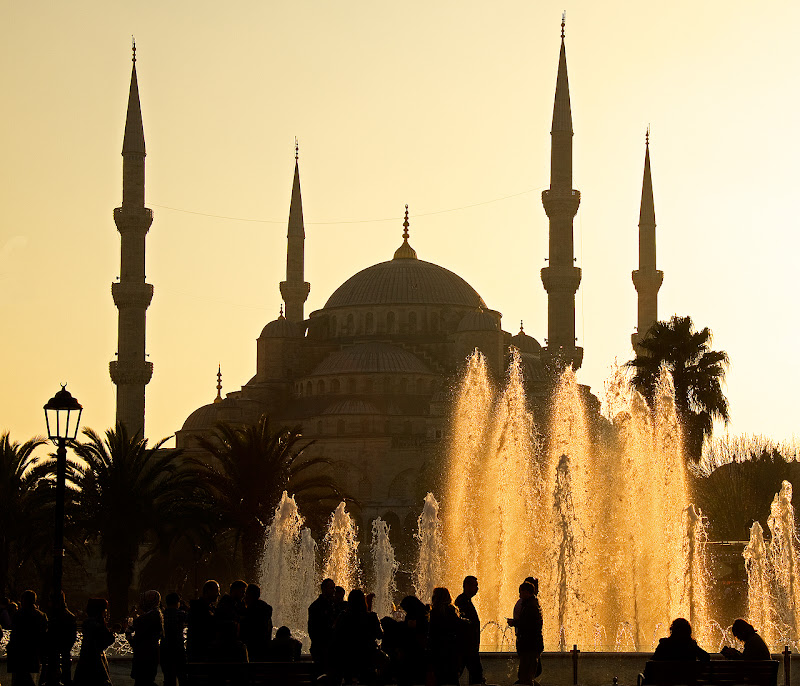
{"points": [[384, 566], [428, 572], [341, 550]]}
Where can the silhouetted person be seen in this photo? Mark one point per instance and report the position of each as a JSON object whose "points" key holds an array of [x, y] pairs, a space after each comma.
{"points": [[6, 610], [679, 645], [62, 632], [356, 635], [202, 628], [144, 634], [321, 617], [754, 647], [472, 659], [527, 624], [412, 663], [284, 647], [256, 624], [230, 606], [447, 637], [173, 648], [28, 631], [228, 647], [92, 669], [339, 601]]}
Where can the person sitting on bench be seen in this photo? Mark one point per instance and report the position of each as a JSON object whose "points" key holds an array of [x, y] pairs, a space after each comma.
{"points": [[679, 645], [754, 646]]}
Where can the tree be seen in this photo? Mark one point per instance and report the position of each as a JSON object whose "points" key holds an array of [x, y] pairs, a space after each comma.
{"points": [[697, 373], [132, 495], [251, 467], [26, 513]]}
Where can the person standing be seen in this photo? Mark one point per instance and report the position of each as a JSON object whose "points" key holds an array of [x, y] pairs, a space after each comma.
{"points": [[527, 624], [202, 628], [321, 617], [446, 633], [92, 669], [28, 632], [62, 632], [472, 658], [173, 647], [256, 624], [144, 634]]}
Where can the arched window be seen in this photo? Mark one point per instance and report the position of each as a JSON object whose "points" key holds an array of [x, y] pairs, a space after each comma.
{"points": [[390, 322], [308, 388], [299, 389], [321, 387], [335, 386], [404, 385], [434, 321], [350, 325], [407, 427], [351, 386], [420, 386], [368, 386], [412, 322], [370, 322], [334, 332]]}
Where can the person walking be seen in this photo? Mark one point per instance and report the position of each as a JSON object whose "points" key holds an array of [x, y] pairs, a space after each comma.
{"points": [[173, 647], [28, 632], [92, 669], [527, 624], [472, 658], [144, 634], [356, 635]]}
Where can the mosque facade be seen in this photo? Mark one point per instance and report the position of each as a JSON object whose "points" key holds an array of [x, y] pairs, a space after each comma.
{"points": [[369, 377]]}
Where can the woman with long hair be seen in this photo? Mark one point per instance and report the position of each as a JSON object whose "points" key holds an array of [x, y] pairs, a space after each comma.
{"points": [[92, 669]]}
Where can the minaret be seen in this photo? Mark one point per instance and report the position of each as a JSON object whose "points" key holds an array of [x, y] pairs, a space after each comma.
{"points": [[647, 279], [295, 289], [561, 277], [131, 372]]}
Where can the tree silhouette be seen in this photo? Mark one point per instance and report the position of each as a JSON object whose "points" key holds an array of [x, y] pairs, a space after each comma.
{"points": [[697, 373], [251, 466], [132, 496]]}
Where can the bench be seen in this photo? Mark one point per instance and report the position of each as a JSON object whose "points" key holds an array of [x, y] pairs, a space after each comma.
{"points": [[250, 673], [713, 673]]}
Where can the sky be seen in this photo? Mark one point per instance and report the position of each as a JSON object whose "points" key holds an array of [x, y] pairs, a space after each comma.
{"points": [[442, 104]]}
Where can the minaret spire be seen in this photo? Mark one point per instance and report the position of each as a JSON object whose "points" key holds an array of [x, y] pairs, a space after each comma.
{"points": [[295, 289], [131, 371], [647, 279], [561, 277]]}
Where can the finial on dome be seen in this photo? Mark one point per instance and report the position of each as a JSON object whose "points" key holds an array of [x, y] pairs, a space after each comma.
{"points": [[405, 251], [647, 136], [521, 327], [563, 23], [218, 399], [133, 48], [280, 315], [296, 149]]}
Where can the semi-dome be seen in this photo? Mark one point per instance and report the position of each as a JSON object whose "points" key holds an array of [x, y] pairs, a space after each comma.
{"points": [[525, 343], [232, 410], [403, 281], [279, 328], [480, 320], [351, 407], [380, 358]]}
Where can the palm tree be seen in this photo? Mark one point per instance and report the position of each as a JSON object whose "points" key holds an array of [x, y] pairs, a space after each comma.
{"points": [[697, 373], [251, 467], [26, 514], [131, 495]]}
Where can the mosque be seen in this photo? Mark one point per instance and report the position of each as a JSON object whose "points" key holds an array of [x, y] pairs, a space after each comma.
{"points": [[368, 376]]}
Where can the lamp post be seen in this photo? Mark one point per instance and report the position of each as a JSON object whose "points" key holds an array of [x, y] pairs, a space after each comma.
{"points": [[62, 414]]}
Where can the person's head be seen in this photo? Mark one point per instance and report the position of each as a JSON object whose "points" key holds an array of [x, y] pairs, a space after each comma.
{"points": [[526, 590], [238, 588], [27, 600], [742, 629], [327, 588], [149, 600], [172, 600], [534, 582], [441, 597], [369, 598], [413, 607], [211, 591], [283, 634], [252, 593], [680, 628], [96, 607], [338, 594], [471, 585], [356, 601]]}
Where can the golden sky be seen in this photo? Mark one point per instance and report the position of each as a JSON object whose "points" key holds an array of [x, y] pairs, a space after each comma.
{"points": [[441, 104]]}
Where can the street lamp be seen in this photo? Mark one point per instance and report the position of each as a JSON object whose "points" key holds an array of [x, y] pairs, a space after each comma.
{"points": [[62, 414]]}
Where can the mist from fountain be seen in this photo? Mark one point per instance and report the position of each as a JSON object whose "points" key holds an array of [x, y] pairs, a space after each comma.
{"points": [[384, 568], [428, 572], [760, 602], [783, 562], [341, 550]]}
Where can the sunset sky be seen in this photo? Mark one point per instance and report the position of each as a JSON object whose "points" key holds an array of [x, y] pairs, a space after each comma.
{"points": [[442, 104]]}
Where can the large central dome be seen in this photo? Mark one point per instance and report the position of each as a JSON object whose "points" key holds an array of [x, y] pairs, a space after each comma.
{"points": [[405, 282]]}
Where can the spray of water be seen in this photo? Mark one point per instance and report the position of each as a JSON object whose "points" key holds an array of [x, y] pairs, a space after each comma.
{"points": [[384, 566], [341, 547], [428, 573]]}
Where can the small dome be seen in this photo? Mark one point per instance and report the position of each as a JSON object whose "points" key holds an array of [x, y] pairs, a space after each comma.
{"points": [[232, 410], [279, 328], [480, 320], [351, 407], [525, 343], [371, 358]]}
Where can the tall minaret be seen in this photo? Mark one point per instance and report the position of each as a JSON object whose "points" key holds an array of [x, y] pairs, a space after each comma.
{"points": [[561, 277], [295, 289], [131, 372], [647, 279]]}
